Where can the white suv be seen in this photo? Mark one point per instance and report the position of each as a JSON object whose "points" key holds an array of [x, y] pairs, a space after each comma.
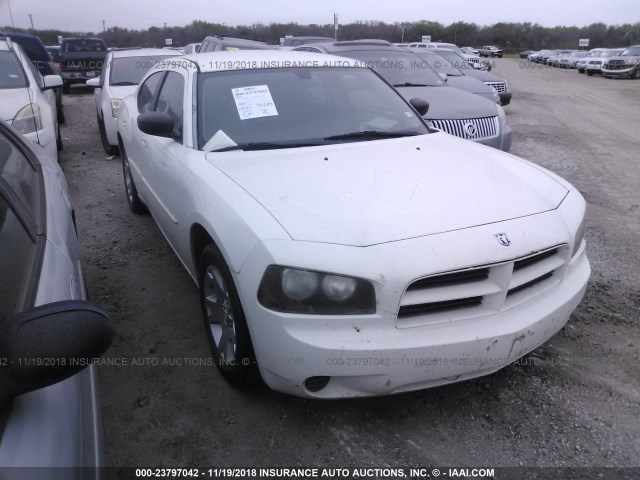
{"points": [[27, 99]]}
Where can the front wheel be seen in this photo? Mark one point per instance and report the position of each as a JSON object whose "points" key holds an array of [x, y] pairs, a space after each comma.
{"points": [[636, 74], [135, 204], [108, 148], [224, 320]]}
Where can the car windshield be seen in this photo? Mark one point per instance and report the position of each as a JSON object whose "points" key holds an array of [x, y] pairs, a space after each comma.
{"points": [[450, 46], [130, 70], [11, 71], [455, 60], [439, 64], [611, 53], [400, 69], [632, 51], [287, 107]]}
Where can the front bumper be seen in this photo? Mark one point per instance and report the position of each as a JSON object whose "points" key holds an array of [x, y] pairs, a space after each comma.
{"points": [[365, 355], [623, 72]]}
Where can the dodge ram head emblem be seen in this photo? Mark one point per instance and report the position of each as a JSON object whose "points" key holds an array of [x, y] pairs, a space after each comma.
{"points": [[503, 239], [470, 128]]}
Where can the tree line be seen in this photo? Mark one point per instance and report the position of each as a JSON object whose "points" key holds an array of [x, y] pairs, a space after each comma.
{"points": [[512, 37]]}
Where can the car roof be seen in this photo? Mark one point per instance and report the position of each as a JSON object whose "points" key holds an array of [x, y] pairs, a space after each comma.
{"points": [[144, 52], [351, 45], [267, 59], [237, 41]]}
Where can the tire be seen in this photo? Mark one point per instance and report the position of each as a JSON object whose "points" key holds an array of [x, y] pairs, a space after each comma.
{"points": [[588, 72], [135, 204], [580, 70], [66, 88], [59, 106], [59, 140], [636, 74], [108, 148], [224, 320]]}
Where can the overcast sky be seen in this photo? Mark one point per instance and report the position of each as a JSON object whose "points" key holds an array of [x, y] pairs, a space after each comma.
{"points": [[87, 15]]}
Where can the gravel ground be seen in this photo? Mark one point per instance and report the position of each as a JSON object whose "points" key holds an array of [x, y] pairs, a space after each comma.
{"points": [[573, 402]]}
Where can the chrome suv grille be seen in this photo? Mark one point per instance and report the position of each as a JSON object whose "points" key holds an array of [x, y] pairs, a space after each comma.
{"points": [[470, 128], [499, 87], [617, 65], [473, 60], [481, 290]]}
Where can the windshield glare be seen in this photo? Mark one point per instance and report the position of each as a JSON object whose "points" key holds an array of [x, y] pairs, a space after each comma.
{"points": [[130, 70], [11, 73], [439, 64], [298, 106], [398, 68]]}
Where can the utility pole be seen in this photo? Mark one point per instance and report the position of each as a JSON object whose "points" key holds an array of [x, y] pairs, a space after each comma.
{"points": [[104, 28], [31, 19], [11, 15], [165, 25]]}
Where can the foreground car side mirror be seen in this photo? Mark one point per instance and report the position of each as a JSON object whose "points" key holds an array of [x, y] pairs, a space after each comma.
{"points": [[421, 105], [159, 124], [94, 82], [51, 81], [48, 344]]}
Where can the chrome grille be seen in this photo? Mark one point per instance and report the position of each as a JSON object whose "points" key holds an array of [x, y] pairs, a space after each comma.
{"points": [[481, 290], [469, 128], [499, 87], [617, 65]]}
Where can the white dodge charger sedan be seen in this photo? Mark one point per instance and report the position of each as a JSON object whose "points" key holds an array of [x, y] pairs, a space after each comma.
{"points": [[340, 246]]}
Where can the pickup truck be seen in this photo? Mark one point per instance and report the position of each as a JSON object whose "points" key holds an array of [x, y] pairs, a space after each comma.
{"points": [[80, 59], [490, 51]]}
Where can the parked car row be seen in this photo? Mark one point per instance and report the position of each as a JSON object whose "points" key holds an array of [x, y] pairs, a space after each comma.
{"points": [[609, 62]]}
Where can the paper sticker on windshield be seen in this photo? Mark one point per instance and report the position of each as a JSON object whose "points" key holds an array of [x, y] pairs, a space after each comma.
{"points": [[232, 49], [254, 102]]}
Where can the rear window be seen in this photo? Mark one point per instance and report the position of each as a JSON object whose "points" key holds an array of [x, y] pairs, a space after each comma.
{"points": [[11, 71], [84, 46]]}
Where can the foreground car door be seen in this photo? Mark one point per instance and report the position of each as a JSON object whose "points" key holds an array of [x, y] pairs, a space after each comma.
{"points": [[168, 197]]}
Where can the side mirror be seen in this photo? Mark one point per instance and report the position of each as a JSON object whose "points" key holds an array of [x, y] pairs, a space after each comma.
{"points": [[159, 124], [421, 105], [443, 76], [94, 82], [50, 343], [52, 81]]}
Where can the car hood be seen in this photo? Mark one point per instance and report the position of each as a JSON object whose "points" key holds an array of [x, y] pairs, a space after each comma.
{"points": [[448, 103], [367, 193], [12, 101], [469, 84], [482, 75]]}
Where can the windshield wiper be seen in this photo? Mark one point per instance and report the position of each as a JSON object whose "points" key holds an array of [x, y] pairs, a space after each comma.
{"points": [[122, 84], [409, 84], [265, 146], [371, 134]]}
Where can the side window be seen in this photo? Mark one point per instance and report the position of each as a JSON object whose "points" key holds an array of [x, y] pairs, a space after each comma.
{"points": [[18, 193], [205, 46], [147, 92], [171, 99], [16, 249]]}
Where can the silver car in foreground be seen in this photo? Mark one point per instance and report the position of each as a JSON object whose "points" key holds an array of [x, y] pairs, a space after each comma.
{"points": [[49, 333]]}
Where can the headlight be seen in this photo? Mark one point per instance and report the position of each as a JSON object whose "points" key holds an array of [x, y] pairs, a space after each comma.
{"points": [[294, 290], [28, 120], [115, 107], [579, 236]]}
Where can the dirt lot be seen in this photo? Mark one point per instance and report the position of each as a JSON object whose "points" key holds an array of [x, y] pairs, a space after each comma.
{"points": [[573, 402]]}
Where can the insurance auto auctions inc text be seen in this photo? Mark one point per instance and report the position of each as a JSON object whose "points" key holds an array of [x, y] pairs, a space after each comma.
{"points": [[350, 473]]}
